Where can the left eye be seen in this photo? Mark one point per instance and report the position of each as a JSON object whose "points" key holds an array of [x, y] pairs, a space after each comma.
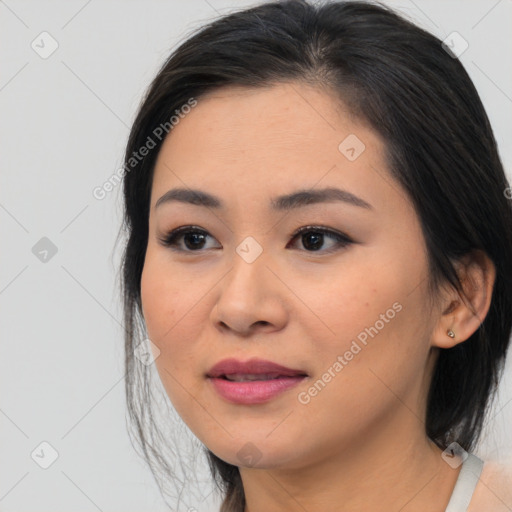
{"points": [[312, 238]]}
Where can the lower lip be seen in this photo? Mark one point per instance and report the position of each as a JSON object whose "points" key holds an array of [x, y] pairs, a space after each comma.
{"points": [[253, 392]]}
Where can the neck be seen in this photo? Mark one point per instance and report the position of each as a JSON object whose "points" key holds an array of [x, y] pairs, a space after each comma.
{"points": [[396, 468]]}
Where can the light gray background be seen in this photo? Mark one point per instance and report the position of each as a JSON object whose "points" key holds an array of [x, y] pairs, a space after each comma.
{"points": [[64, 124]]}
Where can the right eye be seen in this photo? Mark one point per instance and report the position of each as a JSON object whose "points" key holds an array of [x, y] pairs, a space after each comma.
{"points": [[193, 237]]}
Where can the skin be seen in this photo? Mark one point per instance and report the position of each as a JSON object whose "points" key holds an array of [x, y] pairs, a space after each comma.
{"points": [[360, 443]]}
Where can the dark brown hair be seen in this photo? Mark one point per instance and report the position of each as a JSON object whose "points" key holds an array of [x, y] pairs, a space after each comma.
{"points": [[440, 147]]}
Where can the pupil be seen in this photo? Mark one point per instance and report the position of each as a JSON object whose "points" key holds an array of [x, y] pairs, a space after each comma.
{"points": [[316, 240], [195, 237]]}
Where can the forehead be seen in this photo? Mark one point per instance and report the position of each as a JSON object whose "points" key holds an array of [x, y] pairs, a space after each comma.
{"points": [[285, 113], [250, 140]]}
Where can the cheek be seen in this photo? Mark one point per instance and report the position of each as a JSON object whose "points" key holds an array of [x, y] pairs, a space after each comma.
{"points": [[174, 306], [372, 354], [169, 298], [374, 318], [341, 304], [158, 305]]}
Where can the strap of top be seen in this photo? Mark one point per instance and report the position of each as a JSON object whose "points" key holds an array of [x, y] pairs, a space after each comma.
{"points": [[466, 483]]}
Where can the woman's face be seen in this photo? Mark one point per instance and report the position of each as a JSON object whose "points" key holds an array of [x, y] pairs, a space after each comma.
{"points": [[353, 316]]}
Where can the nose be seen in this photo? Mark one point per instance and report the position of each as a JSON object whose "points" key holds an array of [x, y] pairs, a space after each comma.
{"points": [[250, 299]]}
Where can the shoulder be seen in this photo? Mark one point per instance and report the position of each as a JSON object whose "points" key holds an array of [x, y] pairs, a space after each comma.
{"points": [[494, 488]]}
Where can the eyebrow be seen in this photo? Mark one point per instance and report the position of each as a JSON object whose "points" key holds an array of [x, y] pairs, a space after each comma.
{"points": [[297, 199]]}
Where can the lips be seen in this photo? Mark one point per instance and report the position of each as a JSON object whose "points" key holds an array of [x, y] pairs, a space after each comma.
{"points": [[252, 382], [254, 369]]}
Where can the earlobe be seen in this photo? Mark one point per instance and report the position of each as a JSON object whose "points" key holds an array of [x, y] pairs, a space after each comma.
{"points": [[465, 313]]}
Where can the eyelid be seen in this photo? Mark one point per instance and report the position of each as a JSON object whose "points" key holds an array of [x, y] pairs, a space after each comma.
{"points": [[321, 229]]}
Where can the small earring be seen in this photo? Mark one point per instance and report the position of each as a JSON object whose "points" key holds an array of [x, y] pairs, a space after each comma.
{"points": [[450, 333]]}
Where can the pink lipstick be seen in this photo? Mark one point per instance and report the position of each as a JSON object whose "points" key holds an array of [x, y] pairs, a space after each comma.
{"points": [[254, 381]]}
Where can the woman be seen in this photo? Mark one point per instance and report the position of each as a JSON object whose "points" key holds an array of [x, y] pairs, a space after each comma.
{"points": [[320, 251]]}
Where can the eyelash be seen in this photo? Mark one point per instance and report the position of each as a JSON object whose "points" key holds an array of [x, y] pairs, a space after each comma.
{"points": [[341, 239]]}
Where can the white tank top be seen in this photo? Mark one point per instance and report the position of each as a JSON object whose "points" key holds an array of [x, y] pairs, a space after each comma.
{"points": [[465, 485]]}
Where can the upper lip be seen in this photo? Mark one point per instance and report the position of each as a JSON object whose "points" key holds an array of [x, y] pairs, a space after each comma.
{"points": [[252, 366]]}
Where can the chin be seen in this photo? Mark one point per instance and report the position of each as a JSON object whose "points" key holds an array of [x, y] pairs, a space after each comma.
{"points": [[256, 452]]}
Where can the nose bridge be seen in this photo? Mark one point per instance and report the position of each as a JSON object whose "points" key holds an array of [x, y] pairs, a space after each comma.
{"points": [[248, 267], [249, 249]]}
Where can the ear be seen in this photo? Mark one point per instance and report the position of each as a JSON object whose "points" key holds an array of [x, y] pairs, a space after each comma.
{"points": [[464, 314]]}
